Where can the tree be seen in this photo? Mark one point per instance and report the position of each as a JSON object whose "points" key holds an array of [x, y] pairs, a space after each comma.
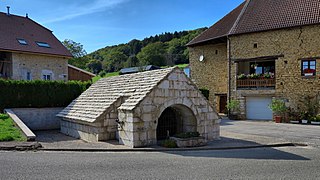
{"points": [[153, 54], [132, 61], [114, 61], [95, 66], [76, 49]]}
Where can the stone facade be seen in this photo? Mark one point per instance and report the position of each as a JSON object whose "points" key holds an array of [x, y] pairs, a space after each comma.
{"points": [[212, 73], [130, 107], [35, 66], [293, 44], [290, 46], [140, 124]]}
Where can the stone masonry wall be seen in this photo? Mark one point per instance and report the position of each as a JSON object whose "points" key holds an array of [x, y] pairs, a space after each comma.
{"points": [[34, 64], [294, 44], [212, 73], [140, 125], [105, 128]]}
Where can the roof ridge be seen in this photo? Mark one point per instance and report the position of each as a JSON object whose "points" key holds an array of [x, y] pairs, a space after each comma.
{"points": [[239, 17], [159, 82]]}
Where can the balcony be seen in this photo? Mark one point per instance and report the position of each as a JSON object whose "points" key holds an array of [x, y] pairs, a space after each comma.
{"points": [[269, 83], [256, 74]]}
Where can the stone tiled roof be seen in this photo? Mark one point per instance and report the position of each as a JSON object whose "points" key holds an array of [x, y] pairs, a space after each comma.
{"points": [[98, 99], [262, 15]]}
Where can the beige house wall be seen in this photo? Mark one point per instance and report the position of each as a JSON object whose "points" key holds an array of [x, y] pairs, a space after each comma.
{"points": [[37, 65], [294, 44], [212, 73]]}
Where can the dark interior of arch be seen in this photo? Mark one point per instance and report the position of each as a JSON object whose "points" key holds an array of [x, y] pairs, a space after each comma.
{"points": [[174, 120]]}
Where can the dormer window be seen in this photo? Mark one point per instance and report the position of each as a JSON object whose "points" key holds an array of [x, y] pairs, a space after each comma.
{"points": [[43, 44], [22, 41]]}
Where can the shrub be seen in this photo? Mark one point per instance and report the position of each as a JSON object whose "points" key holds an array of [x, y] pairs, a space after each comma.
{"points": [[205, 92], [278, 106], [253, 76], [267, 76], [233, 105], [242, 76], [38, 94], [102, 73], [169, 143]]}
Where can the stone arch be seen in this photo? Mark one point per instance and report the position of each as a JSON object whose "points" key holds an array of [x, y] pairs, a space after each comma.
{"points": [[185, 115]]}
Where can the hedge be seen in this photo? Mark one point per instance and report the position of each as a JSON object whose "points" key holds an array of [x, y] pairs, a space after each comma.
{"points": [[205, 92], [39, 94]]}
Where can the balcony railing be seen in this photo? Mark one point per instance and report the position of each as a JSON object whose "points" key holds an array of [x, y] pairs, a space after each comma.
{"points": [[256, 83]]}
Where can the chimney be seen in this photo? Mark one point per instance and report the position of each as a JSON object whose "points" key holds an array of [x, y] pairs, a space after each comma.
{"points": [[27, 16], [8, 10]]}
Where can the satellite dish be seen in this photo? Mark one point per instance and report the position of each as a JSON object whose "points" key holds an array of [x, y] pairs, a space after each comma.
{"points": [[201, 58]]}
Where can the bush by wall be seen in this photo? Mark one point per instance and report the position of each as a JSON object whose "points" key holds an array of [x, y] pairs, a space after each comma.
{"points": [[205, 92], [38, 94]]}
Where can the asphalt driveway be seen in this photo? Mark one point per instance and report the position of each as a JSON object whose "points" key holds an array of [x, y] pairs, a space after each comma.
{"points": [[269, 131]]}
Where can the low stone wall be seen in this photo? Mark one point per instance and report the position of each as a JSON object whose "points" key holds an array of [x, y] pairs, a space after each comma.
{"points": [[25, 130], [39, 118]]}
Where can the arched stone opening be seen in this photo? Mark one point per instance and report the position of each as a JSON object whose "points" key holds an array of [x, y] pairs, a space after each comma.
{"points": [[174, 120]]}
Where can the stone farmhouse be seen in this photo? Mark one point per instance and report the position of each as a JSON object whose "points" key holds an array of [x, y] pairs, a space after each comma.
{"points": [[29, 51], [139, 109], [261, 50]]}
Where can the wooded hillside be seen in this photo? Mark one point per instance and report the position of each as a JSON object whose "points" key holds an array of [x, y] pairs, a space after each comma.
{"points": [[160, 50]]}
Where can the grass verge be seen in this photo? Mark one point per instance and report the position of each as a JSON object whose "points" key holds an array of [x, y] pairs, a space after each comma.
{"points": [[96, 78], [8, 131]]}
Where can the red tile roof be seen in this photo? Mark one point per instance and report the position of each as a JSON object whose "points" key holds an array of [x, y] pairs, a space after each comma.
{"points": [[16, 27], [263, 15], [220, 29]]}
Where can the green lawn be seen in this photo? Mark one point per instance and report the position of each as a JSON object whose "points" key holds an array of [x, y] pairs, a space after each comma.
{"points": [[8, 131], [96, 78], [181, 66]]}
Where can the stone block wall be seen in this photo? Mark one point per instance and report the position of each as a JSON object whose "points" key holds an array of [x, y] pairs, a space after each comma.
{"points": [[86, 132], [39, 118], [178, 92], [212, 73], [294, 44], [103, 129], [35, 64]]}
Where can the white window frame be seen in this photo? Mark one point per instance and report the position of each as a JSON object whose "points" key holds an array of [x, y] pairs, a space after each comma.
{"points": [[47, 75]]}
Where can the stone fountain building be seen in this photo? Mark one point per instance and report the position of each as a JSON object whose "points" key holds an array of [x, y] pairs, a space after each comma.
{"points": [[140, 109]]}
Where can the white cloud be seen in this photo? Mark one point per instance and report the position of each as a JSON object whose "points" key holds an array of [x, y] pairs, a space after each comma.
{"points": [[77, 10]]}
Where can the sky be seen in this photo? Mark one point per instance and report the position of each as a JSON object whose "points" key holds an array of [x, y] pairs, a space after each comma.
{"points": [[100, 23]]}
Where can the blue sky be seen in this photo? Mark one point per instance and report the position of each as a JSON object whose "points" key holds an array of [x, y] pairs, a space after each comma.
{"points": [[99, 23]]}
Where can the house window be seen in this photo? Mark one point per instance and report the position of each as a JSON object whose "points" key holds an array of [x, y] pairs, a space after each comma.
{"points": [[43, 44], [46, 77], [262, 67], [22, 41], [308, 67], [28, 76]]}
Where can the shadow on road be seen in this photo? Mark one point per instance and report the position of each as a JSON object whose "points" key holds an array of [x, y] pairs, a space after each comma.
{"points": [[226, 123], [51, 136], [256, 153]]}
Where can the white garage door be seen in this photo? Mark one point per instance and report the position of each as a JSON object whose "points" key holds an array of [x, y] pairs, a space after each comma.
{"points": [[257, 108]]}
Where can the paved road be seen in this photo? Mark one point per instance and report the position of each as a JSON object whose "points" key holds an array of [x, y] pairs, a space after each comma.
{"points": [[271, 131], [264, 163]]}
